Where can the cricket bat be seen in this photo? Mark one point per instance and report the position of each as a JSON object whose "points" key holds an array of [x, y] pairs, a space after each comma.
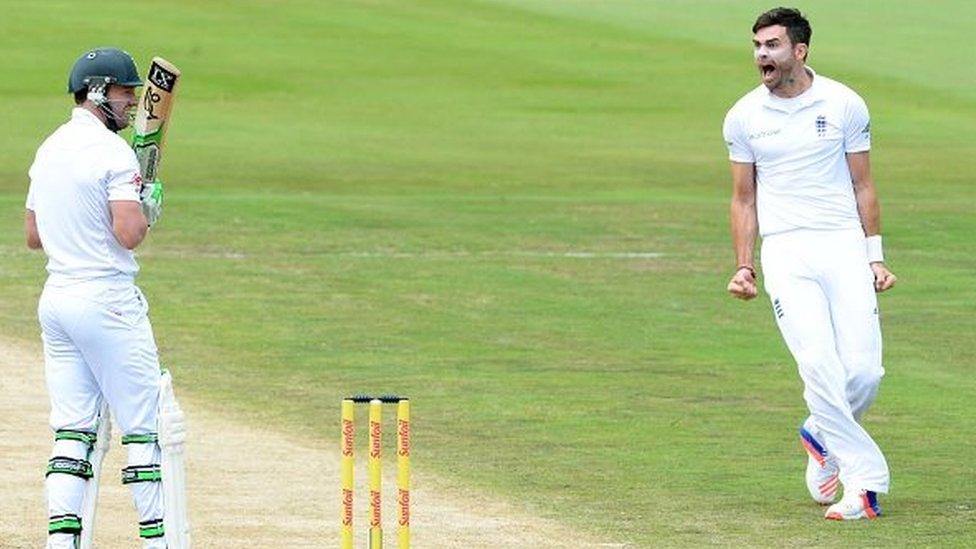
{"points": [[153, 115]]}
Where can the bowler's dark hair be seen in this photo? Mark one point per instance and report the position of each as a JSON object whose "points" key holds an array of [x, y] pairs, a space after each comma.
{"points": [[797, 26]]}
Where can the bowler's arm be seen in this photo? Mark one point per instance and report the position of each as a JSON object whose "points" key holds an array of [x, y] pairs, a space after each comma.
{"points": [[30, 231], [745, 228], [869, 211]]}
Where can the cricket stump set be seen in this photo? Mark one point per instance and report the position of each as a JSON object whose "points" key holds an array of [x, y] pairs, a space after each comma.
{"points": [[375, 465]]}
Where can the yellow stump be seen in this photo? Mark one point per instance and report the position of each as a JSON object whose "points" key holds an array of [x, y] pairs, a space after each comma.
{"points": [[403, 472], [347, 443], [375, 473]]}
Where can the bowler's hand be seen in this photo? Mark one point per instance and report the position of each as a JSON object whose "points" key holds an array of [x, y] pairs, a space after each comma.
{"points": [[743, 284], [883, 278]]}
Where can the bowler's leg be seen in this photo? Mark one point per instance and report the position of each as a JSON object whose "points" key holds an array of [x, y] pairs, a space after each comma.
{"points": [[854, 311], [803, 317], [857, 332]]}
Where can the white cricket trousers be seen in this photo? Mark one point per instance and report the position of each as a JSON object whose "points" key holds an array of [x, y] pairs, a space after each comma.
{"points": [[98, 344], [822, 291]]}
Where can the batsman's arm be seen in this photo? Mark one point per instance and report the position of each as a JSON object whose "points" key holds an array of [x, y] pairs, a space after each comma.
{"points": [[30, 231], [128, 222], [745, 227]]}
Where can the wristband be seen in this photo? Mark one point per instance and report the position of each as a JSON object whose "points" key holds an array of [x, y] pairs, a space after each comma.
{"points": [[873, 247], [749, 267]]}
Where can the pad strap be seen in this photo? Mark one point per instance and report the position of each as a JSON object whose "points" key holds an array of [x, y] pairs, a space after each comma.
{"points": [[149, 529], [148, 438], [141, 473], [69, 466], [87, 437], [64, 524]]}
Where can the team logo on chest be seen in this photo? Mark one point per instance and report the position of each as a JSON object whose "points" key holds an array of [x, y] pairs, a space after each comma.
{"points": [[821, 126]]}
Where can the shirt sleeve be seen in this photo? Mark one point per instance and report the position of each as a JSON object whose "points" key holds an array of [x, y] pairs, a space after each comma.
{"points": [[29, 204], [735, 140], [30, 198], [857, 126], [123, 178]]}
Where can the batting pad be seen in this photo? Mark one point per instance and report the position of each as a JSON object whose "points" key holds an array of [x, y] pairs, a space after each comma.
{"points": [[172, 438]]}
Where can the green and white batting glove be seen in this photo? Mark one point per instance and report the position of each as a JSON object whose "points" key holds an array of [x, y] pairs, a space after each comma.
{"points": [[151, 197]]}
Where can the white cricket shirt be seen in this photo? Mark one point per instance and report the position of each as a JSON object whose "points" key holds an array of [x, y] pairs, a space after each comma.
{"points": [[76, 172], [798, 146]]}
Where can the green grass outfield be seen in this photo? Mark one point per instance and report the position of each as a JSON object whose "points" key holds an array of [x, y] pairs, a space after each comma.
{"points": [[400, 196]]}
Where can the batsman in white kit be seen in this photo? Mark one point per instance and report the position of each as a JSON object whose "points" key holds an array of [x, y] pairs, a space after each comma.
{"points": [[88, 208], [799, 146]]}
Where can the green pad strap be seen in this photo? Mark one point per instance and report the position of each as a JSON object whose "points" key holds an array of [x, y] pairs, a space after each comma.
{"points": [[151, 529], [69, 466], [147, 438], [64, 524], [141, 473], [81, 436]]}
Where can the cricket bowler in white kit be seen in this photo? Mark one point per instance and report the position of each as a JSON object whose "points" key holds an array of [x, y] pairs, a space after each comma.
{"points": [[799, 146], [88, 208]]}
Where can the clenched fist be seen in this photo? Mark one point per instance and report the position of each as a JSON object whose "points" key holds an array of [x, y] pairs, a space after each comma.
{"points": [[883, 278], [743, 283]]}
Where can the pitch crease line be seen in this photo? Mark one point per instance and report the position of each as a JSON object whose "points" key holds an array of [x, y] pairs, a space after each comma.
{"points": [[439, 255]]}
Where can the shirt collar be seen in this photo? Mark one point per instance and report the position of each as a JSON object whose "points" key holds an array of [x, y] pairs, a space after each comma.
{"points": [[792, 104], [85, 116]]}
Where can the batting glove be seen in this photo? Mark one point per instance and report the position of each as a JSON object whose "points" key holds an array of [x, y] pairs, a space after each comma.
{"points": [[151, 197]]}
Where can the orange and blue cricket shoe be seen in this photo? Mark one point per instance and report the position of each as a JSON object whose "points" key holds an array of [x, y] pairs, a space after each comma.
{"points": [[823, 474], [857, 504]]}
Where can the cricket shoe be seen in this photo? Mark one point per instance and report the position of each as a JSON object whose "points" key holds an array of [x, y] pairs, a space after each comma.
{"points": [[857, 504], [823, 474]]}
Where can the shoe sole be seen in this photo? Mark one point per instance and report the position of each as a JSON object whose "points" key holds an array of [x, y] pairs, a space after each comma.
{"points": [[864, 515]]}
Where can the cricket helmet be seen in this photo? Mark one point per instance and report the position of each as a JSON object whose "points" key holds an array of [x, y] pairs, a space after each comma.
{"points": [[103, 66]]}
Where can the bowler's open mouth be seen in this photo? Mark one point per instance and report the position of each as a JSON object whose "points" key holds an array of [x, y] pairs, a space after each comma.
{"points": [[766, 70]]}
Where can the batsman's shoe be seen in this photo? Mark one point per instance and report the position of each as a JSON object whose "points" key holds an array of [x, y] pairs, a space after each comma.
{"points": [[856, 504], [822, 471]]}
